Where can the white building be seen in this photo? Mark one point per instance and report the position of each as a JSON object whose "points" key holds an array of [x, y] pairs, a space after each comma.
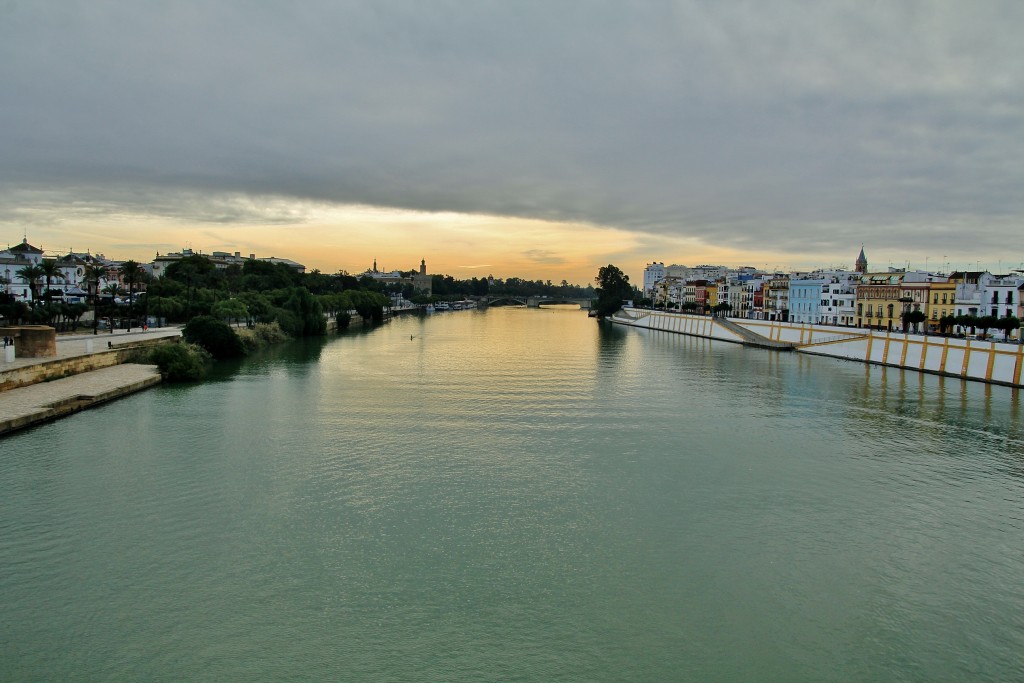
{"points": [[838, 295], [709, 273], [12, 260], [653, 274], [968, 291], [220, 260], [998, 296]]}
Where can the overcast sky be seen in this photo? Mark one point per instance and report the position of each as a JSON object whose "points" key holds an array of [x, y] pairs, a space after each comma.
{"points": [[517, 136]]}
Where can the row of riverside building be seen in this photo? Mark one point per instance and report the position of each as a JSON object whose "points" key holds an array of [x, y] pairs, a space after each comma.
{"points": [[858, 298], [72, 268]]}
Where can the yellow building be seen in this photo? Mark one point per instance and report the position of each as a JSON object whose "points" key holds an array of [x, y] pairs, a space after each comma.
{"points": [[712, 290], [941, 297], [883, 298], [878, 300]]}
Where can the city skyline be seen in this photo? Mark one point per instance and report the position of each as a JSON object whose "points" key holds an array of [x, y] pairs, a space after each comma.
{"points": [[518, 139]]}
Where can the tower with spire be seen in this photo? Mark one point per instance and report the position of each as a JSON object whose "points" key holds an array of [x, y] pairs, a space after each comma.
{"points": [[862, 262]]}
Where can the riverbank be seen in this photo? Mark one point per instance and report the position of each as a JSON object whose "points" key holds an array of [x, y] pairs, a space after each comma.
{"points": [[32, 405], [88, 370], [982, 361]]}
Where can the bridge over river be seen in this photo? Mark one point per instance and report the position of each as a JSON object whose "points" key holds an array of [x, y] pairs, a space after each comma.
{"points": [[538, 301]]}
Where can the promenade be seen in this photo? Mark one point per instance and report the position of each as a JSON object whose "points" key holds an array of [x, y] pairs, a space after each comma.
{"points": [[28, 405], [71, 345]]}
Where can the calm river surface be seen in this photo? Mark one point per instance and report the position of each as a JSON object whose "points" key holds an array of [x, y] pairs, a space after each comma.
{"points": [[521, 495]]}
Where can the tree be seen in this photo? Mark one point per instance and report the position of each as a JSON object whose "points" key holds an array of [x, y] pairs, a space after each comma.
{"points": [[308, 310], [231, 309], [50, 270], [966, 320], [93, 274], [987, 322], [1008, 325], [913, 318], [164, 307], [722, 307], [192, 271], [131, 272], [613, 288], [31, 275], [214, 335], [112, 289]]}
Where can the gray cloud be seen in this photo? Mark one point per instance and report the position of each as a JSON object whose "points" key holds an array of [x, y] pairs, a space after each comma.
{"points": [[801, 126], [543, 256]]}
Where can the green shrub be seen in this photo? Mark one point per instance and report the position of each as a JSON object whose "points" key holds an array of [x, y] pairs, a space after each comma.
{"points": [[289, 322], [261, 335], [180, 362], [215, 336]]}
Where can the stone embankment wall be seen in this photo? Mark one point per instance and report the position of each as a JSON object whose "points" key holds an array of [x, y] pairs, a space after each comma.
{"points": [[72, 365], [986, 361]]}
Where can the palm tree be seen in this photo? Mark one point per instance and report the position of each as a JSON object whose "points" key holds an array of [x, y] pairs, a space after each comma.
{"points": [[131, 272], [112, 290], [31, 275], [93, 274], [51, 271]]}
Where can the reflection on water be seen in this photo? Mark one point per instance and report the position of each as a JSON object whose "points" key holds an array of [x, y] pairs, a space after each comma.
{"points": [[521, 494]]}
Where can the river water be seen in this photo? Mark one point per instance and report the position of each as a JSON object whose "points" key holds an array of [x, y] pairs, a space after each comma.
{"points": [[522, 495]]}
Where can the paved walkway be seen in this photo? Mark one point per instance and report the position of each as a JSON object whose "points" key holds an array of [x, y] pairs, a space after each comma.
{"points": [[30, 405], [26, 406], [69, 345]]}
